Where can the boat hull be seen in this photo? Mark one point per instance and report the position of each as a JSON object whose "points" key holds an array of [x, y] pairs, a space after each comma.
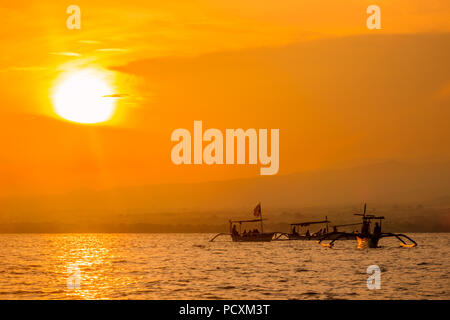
{"points": [[329, 236], [367, 242], [259, 237]]}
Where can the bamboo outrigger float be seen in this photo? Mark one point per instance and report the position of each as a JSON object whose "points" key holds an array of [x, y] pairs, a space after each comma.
{"points": [[366, 238], [252, 235]]}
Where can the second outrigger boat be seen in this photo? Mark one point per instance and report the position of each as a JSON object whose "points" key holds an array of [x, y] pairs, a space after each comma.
{"points": [[298, 234]]}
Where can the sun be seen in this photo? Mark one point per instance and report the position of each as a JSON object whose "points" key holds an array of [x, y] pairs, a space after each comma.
{"points": [[84, 96]]}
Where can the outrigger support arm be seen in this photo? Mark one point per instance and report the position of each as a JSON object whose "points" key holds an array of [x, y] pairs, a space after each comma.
{"points": [[331, 244], [219, 234], [398, 236], [383, 235], [279, 235]]}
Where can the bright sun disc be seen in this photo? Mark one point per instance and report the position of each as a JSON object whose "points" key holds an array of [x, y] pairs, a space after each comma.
{"points": [[82, 96]]}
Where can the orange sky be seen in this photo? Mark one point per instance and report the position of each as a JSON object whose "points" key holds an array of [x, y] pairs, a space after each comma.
{"points": [[339, 93]]}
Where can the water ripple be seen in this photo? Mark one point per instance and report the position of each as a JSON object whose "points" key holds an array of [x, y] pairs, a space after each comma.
{"points": [[187, 266]]}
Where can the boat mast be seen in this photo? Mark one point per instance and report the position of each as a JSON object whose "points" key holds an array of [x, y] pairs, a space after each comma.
{"points": [[260, 215]]}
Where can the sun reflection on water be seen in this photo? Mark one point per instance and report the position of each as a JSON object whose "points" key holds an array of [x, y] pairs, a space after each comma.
{"points": [[88, 252], [187, 266]]}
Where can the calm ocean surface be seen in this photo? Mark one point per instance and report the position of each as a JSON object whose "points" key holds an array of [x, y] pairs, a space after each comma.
{"points": [[187, 266]]}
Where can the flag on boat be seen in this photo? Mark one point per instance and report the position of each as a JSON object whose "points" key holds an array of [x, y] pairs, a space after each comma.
{"points": [[257, 210]]}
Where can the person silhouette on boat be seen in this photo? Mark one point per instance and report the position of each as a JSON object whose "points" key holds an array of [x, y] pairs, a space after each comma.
{"points": [[377, 230], [234, 231], [335, 229], [255, 231], [365, 228], [307, 233], [294, 231]]}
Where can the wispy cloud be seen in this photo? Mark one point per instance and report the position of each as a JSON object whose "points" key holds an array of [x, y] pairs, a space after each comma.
{"points": [[89, 41], [66, 54], [29, 68], [116, 95], [111, 50]]}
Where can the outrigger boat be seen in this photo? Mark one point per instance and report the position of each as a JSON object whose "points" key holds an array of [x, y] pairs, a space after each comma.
{"points": [[296, 234], [252, 235], [366, 238], [342, 235]]}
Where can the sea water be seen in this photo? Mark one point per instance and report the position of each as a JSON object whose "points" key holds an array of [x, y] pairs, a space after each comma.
{"points": [[187, 266]]}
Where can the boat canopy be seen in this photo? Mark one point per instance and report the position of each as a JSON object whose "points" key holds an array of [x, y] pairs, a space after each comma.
{"points": [[369, 216], [348, 224], [304, 224]]}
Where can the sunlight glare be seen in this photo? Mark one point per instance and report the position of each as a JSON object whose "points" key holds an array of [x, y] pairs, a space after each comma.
{"points": [[82, 96]]}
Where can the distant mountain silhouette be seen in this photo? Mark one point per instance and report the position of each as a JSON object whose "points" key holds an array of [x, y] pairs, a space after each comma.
{"points": [[383, 183], [389, 182], [413, 197]]}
